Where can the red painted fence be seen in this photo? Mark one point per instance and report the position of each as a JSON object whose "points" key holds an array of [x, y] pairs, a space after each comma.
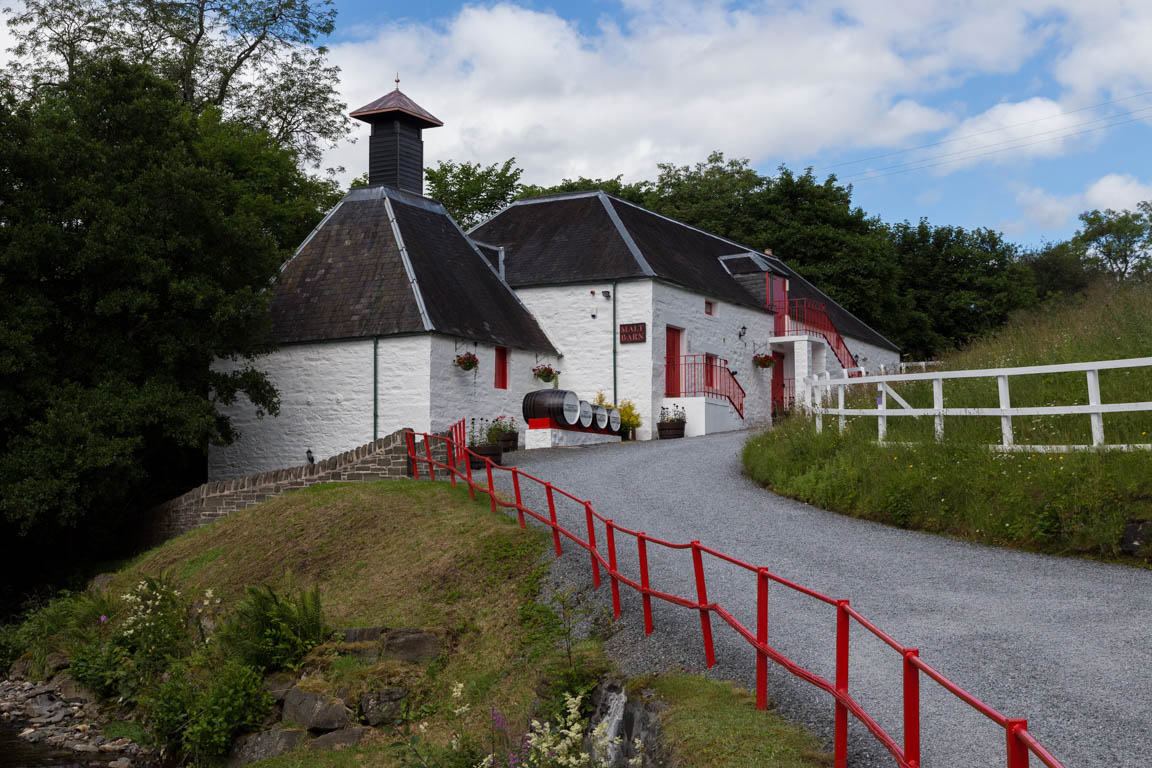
{"points": [[693, 375], [1019, 743]]}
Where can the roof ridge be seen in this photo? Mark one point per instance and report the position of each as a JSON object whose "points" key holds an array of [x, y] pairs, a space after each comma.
{"points": [[626, 236], [407, 262]]}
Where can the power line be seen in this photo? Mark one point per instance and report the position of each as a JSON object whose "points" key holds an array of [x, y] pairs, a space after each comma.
{"points": [[997, 151], [1106, 120], [983, 133]]}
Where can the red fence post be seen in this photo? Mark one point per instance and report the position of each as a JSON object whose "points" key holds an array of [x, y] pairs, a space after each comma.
{"points": [[450, 444], [519, 501], [592, 545], [412, 455], [491, 486], [468, 469], [1017, 750], [911, 708], [840, 738], [552, 515], [762, 638], [612, 568], [642, 546], [428, 453], [702, 598]]}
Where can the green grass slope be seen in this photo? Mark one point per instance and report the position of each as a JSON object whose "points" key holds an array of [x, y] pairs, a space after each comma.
{"points": [[422, 555], [1067, 503]]}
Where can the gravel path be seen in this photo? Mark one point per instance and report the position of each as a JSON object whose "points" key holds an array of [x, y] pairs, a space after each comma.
{"points": [[1062, 642]]}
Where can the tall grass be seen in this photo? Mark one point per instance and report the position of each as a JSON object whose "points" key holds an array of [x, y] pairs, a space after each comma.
{"points": [[1071, 502]]}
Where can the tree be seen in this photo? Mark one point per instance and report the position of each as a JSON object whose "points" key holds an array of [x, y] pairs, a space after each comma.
{"points": [[248, 58], [967, 282], [472, 192], [1120, 242], [1061, 269], [137, 240], [633, 193]]}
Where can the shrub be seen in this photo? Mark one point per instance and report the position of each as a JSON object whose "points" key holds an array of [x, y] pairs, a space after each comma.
{"points": [[270, 632], [629, 415], [155, 630], [235, 701], [104, 667]]}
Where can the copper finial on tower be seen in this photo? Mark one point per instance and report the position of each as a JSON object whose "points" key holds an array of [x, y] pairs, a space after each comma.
{"points": [[397, 81]]}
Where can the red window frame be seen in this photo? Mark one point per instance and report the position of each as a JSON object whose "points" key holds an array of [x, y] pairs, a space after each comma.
{"points": [[501, 368], [709, 309]]}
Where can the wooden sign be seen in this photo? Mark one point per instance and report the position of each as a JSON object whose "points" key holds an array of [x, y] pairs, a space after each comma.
{"points": [[633, 333]]}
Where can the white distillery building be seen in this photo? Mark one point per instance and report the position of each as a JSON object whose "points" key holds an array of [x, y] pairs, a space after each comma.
{"points": [[372, 311]]}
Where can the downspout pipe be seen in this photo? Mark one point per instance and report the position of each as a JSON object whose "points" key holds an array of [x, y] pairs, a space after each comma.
{"points": [[615, 401], [375, 386]]}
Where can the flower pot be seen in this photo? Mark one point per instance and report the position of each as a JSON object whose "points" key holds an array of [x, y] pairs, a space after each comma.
{"points": [[627, 433], [481, 452], [509, 441], [670, 430]]}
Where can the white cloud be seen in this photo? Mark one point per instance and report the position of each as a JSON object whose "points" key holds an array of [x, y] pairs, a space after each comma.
{"points": [[1045, 211]]}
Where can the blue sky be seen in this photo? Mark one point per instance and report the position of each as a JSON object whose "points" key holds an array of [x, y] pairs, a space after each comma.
{"points": [[606, 86]]}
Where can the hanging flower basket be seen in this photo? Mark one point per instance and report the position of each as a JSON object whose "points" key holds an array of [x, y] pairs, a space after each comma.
{"points": [[545, 373], [763, 361], [467, 361]]}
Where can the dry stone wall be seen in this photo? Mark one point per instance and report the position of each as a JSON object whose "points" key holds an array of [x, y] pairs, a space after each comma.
{"points": [[382, 459]]}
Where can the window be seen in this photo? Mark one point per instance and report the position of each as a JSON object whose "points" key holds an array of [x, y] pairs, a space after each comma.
{"points": [[501, 368], [708, 308]]}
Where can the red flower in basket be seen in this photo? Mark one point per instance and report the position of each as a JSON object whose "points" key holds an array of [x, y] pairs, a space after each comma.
{"points": [[763, 361], [467, 361]]}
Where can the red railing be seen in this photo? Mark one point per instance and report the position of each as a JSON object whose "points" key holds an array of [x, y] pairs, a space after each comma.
{"points": [[1020, 744], [803, 317], [783, 394], [694, 375]]}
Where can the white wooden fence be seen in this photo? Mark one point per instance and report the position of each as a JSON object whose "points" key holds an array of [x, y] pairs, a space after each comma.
{"points": [[820, 389]]}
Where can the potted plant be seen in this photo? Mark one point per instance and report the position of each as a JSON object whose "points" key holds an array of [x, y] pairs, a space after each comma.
{"points": [[467, 362], [629, 419], [672, 421], [502, 430], [480, 444], [763, 360], [545, 373]]}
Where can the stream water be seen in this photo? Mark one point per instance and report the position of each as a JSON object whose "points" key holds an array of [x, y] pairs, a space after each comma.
{"points": [[17, 753]]}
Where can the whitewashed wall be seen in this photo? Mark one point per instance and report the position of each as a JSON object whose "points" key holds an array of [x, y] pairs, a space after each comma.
{"points": [[325, 403], [566, 315], [458, 394], [716, 334], [870, 356]]}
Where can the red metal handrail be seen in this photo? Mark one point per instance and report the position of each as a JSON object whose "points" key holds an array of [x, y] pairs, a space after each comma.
{"points": [[1020, 743], [804, 317], [694, 375]]}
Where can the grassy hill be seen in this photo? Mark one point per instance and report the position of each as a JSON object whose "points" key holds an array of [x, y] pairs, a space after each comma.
{"points": [[414, 555], [1071, 503]]}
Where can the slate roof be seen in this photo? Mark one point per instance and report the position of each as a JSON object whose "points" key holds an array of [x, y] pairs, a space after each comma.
{"points": [[396, 101], [580, 236], [359, 274]]}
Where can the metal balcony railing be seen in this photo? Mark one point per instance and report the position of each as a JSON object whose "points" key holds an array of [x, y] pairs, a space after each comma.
{"points": [[695, 375]]}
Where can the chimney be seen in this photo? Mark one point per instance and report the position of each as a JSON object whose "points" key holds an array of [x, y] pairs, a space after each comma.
{"points": [[395, 148]]}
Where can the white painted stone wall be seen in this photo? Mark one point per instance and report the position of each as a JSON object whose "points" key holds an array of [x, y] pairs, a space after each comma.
{"points": [[716, 334], [578, 320], [870, 356], [458, 394], [325, 403]]}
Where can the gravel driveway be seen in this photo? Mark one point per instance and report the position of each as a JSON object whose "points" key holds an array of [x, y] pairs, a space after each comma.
{"points": [[1062, 642]]}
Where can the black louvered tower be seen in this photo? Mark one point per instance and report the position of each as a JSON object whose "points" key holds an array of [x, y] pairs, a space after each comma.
{"points": [[395, 149]]}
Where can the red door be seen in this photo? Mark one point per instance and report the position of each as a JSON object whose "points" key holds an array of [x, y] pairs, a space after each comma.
{"points": [[778, 302], [673, 362], [778, 393]]}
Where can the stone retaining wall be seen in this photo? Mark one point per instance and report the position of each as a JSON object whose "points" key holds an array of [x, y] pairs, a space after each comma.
{"points": [[378, 460]]}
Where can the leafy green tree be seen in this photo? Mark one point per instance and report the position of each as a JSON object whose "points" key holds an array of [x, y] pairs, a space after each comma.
{"points": [[1061, 269], [966, 281], [251, 59], [634, 193], [1120, 242], [138, 241], [472, 192]]}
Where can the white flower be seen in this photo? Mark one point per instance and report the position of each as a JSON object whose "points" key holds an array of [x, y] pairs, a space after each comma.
{"points": [[457, 690], [423, 727], [460, 710]]}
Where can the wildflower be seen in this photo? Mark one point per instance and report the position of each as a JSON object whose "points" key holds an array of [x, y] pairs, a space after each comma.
{"points": [[423, 727], [103, 619], [461, 710], [457, 690]]}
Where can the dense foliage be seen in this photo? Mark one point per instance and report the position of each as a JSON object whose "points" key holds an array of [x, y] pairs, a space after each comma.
{"points": [[473, 192], [138, 239], [252, 60]]}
